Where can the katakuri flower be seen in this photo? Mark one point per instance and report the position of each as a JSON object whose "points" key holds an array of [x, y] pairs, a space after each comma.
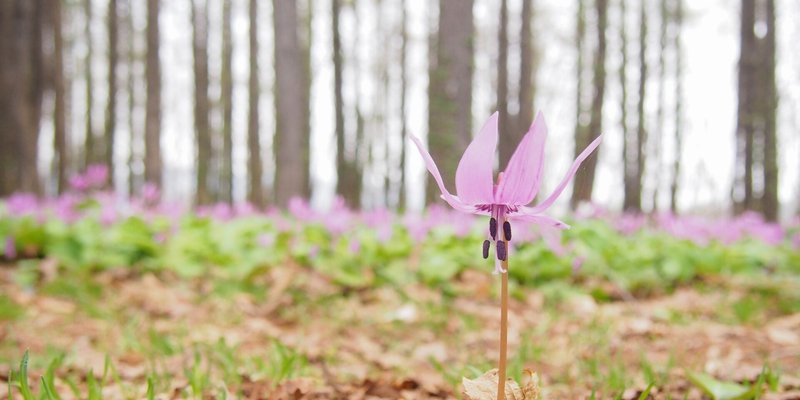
{"points": [[516, 187]]}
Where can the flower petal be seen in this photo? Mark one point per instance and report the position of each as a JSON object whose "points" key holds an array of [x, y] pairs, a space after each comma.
{"points": [[523, 175], [529, 214], [474, 176], [453, 201], [568, 177]]}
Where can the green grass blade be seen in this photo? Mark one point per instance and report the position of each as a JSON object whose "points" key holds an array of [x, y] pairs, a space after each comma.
{"points": [[151, 392], [22, 378], [48, 391], [646, 392]]}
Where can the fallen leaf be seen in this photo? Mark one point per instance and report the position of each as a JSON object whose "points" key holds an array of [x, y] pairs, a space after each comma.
{"points": [[485, 387]]}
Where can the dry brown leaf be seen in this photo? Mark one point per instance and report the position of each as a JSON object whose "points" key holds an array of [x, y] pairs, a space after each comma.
{"points": [[485, 387]]}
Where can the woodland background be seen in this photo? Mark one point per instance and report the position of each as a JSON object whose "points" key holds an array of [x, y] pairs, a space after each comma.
{"points": [[234, 100]]}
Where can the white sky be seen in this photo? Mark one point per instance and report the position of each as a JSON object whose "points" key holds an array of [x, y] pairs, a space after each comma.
{"points": [[710, 39]]}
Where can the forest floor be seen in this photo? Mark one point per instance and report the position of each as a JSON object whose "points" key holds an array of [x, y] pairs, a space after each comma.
{"points": [[292, 333]]}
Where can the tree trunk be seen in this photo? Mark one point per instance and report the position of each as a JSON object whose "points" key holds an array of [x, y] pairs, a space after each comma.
{"points": [[676, 164], [348, 183], [756, 123], [89, 151], [450, 90], [626, 135], [59, 113], [635, 165], [584, 179], [201, 102], [132, 59], [580, 127], [401, 200], [527, 75], [769, 101], [656, 139], [255, 191], [508, 144], [291, 105], [111, 105], [152, 129], [21, 73], [742, 190], [226, 178]]}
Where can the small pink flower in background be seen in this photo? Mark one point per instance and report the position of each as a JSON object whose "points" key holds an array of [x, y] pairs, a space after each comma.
{"points": [[10, 248], [96, 175], [516, 187], [22, 204], [577, 264], [150, 193], [355, 246], [300, 209], [266, 240], [79, 183]]}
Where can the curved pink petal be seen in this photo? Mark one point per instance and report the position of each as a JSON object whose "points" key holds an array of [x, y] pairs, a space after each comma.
{"points": [[528, 214], [474, 176], [453, 201], [523, 175], [571, 173]]}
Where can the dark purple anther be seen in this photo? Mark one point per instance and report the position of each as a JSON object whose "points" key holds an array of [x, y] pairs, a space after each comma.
{"points": [[486, 249], [507, 230], [502, 255], [493, 228]]}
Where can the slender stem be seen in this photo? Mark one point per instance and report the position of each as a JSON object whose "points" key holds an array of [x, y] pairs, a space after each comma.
{"points": [[501, 378]]}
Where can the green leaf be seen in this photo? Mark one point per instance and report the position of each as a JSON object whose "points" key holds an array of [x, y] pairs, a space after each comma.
{"points": [[720, 390]]}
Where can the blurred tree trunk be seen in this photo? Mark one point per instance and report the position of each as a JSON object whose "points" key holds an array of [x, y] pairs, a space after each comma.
{"points": [[60, 141], [757, 108], [21, 74], [89, 150], [226, 178], [514, 127], [580, 48], [527, 76], [132, 60], [255, 191], [657, 136], [450, 90], [748, 60], [508, 144], [623, 78], [201, 102], [676, 165], [635, 163], [584, 179], [348, 183], [291, 105], [152, 129], [401, 200], [111, 105], [769, 101]]}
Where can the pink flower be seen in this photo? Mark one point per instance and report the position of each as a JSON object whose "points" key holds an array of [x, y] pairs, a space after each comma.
{"points": [[516, 187], [10, 250]]}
